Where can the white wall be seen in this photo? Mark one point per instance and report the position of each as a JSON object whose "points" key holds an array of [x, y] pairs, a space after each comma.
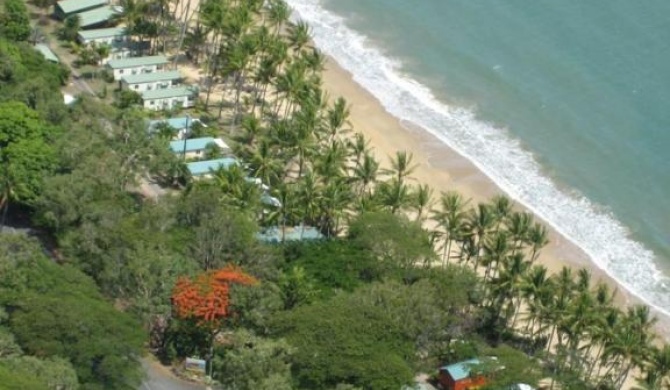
{"points": [[141, 87], [119, 73], [167, 104]]}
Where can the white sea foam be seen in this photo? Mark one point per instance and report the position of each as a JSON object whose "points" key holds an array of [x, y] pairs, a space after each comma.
{"points": [[494, 152]]}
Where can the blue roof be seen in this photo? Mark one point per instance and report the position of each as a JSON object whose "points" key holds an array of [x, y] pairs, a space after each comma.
{"points": [[192, 144], [47, 53], [204, 167], [296, 233], [460, 370]]}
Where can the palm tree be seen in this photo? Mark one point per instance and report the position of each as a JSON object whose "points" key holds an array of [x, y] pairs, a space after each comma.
{"points": [[518, 225], [501, 206], [264, 164], [195, 41], [330, 164], [310, 197], [479, 225], [278, 14], [358, 147], [450, 218], [365, 175], [70, 29], [336, 200], [537, 238], [394, 195], [496, 249], [423, 200], [657, 368], [401, 166], [298, 35], [336, 118]]}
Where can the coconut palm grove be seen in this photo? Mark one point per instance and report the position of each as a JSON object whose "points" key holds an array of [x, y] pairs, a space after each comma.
{"points": [[311, 263]]}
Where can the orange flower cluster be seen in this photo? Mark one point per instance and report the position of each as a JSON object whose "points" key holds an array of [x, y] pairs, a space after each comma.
{"points": [[206, 298]]}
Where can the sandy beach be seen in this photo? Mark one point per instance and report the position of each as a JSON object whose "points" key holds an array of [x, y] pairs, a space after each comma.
{"points": [[444, 169]]}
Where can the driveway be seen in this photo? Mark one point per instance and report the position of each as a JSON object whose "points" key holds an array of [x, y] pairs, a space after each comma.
{"points": [[160, 378]]}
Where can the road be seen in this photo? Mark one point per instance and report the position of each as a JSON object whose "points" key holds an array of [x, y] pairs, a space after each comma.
{"points": [[160, 378]]}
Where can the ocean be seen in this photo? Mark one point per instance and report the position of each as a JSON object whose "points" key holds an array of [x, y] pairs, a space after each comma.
{"points": [[564, 104]]}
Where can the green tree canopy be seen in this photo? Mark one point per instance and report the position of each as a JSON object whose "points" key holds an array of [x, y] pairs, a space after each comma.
{"points": [[14, 21], [56, 311]]}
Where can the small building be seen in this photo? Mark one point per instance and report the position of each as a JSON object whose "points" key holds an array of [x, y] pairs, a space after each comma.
{"points": [[170, 98], [136, 65], [277, 234], [203, 169], [65, 8], [459, 377], [98, 17], [47, 53], [182, 126], [112, 36], [196, 147], [147, 81]]}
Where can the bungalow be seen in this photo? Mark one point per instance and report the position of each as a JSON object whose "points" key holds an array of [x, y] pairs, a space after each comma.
{"points": [[136, 65], [47, 53], [180, 125], [147, 81], [169, 98], [112, 36], [63, 9], [203, 169], [275, 234], [458, 376], [98, 17], [196, 147]]}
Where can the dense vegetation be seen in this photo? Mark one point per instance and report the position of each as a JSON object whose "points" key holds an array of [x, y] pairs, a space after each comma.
{"points": [[404, 281]]}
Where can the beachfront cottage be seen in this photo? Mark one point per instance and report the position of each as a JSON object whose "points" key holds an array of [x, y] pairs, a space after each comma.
{"points": [[181, 126], [459, 377], [136, 65], [170, 98], [147, 81], [204, 169], [63, 9], [47, 53], [196, 147], [99, 17], [113, 37]]}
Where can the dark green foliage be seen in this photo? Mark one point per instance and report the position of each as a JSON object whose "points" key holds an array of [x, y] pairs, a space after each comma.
{"points": [[340, 341], [127, 98], [335, 265], [55, 310], [14, 21]]}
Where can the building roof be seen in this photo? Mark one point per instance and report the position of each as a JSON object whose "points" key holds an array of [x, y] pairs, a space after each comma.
{"points": [[96, 16], [152, 77], [296, 233], [178, 123], [133, 62], [204, 167], [168, 93], [72, 6], [98, 33], [47, 53], [461, 370], [191, 145]]}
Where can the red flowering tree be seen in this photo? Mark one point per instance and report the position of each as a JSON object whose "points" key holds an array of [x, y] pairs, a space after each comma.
{"points": [[206, 298]]}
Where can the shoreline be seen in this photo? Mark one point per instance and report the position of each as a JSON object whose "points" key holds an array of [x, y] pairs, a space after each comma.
{"points": [[443, 168]]}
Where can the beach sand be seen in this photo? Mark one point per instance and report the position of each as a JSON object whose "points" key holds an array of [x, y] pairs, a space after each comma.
{"points": [[444, 169]]}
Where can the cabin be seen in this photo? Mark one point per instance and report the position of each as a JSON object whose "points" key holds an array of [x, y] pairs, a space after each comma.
{"points": [[181, 126], [147, 81], [63, 9], [204, 169], [169, 98], [458, 376], [136, 65], [48, 54], [196, 147], [277, 234], [114, 37], [99, 17]]}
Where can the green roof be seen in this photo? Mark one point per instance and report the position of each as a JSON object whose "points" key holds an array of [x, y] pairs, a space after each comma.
{"points": [[102, 33], [152, 77], [460, 371], [47, 53], [72, 6], [168, 93], [96, 16], [133, 62]]}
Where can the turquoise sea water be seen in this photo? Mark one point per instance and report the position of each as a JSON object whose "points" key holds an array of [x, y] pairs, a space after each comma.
{"points": [[565, 104]]}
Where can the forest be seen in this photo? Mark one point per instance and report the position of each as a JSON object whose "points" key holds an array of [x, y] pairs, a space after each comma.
{"points": [[403, 280]]}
